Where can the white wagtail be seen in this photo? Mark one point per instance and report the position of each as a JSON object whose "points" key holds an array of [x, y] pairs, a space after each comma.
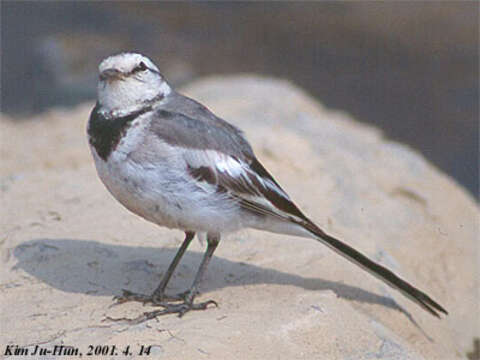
{"points": [[170, 160]]}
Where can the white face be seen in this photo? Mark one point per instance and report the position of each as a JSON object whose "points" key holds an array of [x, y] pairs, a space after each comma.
{"points": [[127, 80]]}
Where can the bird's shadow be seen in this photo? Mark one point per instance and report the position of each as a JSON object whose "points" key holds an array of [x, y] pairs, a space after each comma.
{"points": [[98, 269]]}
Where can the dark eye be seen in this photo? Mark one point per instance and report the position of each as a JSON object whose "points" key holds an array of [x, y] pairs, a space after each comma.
{"points": [[140, 67]]}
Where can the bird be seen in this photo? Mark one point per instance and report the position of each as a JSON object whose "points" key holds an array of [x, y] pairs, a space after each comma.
{"points": [[173, 162]]}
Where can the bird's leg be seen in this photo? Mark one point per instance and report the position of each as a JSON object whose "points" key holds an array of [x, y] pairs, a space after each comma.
{"points": [[187, 305], [159, 294]]}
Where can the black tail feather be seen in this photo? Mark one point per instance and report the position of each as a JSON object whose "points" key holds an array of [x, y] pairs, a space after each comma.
{"points": [[377, 270]]}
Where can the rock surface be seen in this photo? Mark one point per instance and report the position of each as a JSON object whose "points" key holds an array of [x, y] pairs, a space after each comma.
{"points": [[68, 247]]}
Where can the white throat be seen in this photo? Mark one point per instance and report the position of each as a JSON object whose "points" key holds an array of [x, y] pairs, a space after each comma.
{"points": [[125, 96]]}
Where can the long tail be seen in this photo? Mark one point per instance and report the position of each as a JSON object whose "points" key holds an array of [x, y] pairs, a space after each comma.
{"points": [[377, 270]]}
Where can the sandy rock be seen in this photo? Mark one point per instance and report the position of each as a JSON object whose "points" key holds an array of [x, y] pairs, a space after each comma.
{"points": [[68, 247]]}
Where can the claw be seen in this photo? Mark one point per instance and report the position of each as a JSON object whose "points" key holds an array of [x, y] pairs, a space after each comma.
{"points": [[180, 309], [169, 304], [168, 308], [154, 299]]}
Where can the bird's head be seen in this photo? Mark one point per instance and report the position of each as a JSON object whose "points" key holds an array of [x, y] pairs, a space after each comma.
{"points": [[128, 81]]}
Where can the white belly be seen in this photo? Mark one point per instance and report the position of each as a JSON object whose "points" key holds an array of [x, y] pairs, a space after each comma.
{"points": [[130, 185], [162, 194]]}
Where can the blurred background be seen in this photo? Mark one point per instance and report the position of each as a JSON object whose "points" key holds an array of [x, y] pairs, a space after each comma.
{"points": [[409, 68]]}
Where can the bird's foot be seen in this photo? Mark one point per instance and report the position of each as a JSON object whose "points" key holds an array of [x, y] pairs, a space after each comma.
{"points": [[178, 308], [154, 299], [171, 306]]}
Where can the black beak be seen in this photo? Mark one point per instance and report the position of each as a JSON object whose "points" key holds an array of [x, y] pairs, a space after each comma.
{"points": [[110, 75]]}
